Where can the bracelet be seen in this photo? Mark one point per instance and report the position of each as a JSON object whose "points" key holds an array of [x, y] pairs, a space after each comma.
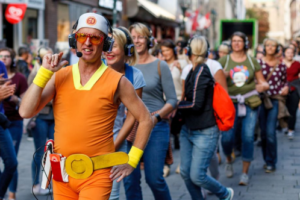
{"points": [[42, 77], [158, 117], [134, 155]]}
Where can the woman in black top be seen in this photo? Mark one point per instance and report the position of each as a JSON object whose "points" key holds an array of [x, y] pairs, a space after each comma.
{"points": [[199, 134]]}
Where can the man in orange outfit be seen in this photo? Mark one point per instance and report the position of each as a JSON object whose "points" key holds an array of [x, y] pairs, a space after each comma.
{"points": [[86, 97]]}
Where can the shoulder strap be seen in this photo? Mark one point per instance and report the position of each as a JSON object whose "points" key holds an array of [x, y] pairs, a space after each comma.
{"points": [[129, 73], [158, 69], [227, 60], [251, 63]]}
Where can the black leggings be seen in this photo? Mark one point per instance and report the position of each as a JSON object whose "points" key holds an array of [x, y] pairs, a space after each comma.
{"points": [[292, 103]]}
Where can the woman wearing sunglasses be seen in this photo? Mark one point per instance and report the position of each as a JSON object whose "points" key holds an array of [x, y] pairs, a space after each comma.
{"points": [[86, 99], [158, 83], [121, 58]]}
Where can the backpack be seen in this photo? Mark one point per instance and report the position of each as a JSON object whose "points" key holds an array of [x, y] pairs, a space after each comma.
{"points": [[224, 109]]}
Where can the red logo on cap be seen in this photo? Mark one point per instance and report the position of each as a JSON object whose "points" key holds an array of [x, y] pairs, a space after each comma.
{"points": [[91, 21]]}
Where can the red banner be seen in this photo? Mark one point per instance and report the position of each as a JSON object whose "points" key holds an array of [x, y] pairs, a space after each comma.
{"points": [[14, 13]]}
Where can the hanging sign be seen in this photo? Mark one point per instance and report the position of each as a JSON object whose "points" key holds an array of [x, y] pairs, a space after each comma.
{"points": [[14, 13]]}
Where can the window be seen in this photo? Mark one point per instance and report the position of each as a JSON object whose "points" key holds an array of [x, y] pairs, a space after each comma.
{"points": [[29, 25], [63, 23]]}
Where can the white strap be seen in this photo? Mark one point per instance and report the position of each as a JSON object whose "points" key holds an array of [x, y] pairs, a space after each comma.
{"points": [[226, 62], [251, 63]]}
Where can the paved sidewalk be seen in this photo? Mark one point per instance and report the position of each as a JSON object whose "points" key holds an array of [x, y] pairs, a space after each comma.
{"points": [[284, 184]]}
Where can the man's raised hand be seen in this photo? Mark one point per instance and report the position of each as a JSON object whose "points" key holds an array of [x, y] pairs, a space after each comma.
{"points": [[53, 62]]}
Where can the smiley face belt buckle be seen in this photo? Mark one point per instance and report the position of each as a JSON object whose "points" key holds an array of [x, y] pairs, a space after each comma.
{"points": [[79, 166]]}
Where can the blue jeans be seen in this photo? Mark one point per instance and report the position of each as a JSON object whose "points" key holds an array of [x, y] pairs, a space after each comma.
{"points": [[248, 127], [8, 155], [43, 130], [197, 148], [268, 122], [16, 131], [154, 160], [115, 191]]}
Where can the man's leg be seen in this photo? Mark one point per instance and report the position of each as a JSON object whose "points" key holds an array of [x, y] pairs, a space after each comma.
{"points": [[96, 187], [62, 191]]}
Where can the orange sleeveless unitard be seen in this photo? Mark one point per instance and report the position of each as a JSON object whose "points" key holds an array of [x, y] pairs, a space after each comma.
{"points": [[84, 120]]}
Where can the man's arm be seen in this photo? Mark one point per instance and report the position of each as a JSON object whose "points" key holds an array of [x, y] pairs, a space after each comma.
{"points": [[127, 126], [137, 108], [43, 89], [36, 98]]}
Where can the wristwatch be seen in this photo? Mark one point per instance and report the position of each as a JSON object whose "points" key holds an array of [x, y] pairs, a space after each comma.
{"points": [[157, 117]]}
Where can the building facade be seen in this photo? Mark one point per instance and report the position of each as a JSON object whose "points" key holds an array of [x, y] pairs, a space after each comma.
{"points": [[32, 25], [279, 17]]}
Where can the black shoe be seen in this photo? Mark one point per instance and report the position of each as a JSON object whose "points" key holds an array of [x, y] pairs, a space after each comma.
{"points": [[265, 166], [270, 169], [258, 143]]}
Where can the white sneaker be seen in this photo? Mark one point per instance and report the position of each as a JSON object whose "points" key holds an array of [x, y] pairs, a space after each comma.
{"points": [[229, 170], [244, 179], [37, 190], [166, 171], [291, 135], [285, 131], [178, 169]]}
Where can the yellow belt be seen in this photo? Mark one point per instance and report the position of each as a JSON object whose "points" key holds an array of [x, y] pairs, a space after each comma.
{"points": [[81, 166]]}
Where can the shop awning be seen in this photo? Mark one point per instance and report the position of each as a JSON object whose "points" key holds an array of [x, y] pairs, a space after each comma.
{"points": [[156, 10]]}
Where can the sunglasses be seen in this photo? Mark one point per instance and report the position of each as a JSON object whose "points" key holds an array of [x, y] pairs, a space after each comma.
{"points": [[95, 39]]}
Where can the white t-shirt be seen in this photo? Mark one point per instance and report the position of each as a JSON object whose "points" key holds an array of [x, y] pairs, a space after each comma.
{"points": [[177, 77], [213, 66]]}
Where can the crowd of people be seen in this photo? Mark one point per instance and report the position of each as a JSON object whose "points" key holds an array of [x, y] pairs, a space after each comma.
{"points": [[171, 81]]}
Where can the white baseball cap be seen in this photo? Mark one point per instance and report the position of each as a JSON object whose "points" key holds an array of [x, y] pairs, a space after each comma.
{"points": [[93, 20]]}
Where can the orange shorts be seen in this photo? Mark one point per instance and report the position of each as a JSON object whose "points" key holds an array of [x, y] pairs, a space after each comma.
{"points": [[96, 187]]}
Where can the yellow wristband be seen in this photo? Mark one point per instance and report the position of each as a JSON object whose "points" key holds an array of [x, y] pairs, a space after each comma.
{"points": [[134, 155], [42, 77]]}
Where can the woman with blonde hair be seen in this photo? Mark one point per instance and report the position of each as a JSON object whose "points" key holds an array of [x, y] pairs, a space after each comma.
{"points": [[223, 50], [159, 83], [198, 141], [121, 59]]}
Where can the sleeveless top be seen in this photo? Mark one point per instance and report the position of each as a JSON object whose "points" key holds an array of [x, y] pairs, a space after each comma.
{"points": [[84, 115]]}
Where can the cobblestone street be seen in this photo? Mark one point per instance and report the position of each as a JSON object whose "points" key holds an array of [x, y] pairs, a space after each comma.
{"points": [[284, 184]]}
